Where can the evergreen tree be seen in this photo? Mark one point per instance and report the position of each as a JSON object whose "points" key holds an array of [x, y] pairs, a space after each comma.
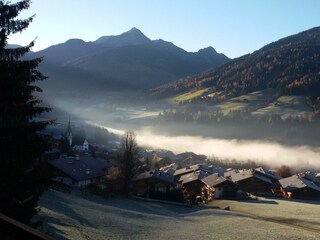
{"points": [[21, 143]]}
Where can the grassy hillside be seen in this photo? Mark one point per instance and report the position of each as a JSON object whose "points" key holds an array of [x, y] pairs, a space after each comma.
{"points": [[74, 217]]}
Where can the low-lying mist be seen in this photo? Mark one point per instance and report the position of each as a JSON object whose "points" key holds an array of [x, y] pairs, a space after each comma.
{"points": [[271, 153]]}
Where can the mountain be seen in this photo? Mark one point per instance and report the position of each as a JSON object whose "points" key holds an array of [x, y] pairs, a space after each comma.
{"points": [[127, 61], [290, 66]]}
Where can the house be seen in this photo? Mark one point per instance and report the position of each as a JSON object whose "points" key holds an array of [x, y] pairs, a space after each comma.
{"points": [[192, 184], [82, 148], [297, 186], [79, 171], [253, 181], [152, 181], [221, 187], [275, 188]]}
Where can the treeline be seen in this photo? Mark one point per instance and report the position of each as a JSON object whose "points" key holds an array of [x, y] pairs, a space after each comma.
{"points": [[235, 116]]}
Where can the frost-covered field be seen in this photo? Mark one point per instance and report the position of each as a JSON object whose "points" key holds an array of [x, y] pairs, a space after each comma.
{"points": [[73, 217], [301, 213]]}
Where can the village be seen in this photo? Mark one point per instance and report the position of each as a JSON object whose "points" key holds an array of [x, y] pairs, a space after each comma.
{"points": [[186, 178]]}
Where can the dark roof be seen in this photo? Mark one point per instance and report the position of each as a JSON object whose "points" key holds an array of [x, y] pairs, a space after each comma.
{"points": [[155, 174], [85, 168], [296, 182], [237, 177], [214, 180]]}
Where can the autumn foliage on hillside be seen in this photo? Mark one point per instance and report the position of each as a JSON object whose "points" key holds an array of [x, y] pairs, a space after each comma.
{"points": [[290, 65]]}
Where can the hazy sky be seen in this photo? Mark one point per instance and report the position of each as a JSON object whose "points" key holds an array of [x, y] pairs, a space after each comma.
{"points": [[233, 27]]}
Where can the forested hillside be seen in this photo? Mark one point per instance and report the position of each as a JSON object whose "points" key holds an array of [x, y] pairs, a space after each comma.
{"points": [[291, 66]]}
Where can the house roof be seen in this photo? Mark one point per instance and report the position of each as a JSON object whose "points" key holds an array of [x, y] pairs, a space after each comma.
{"points": [[296, 182], [268, 173], [85, 168], [214, 180], [237, 177], [193, 168], [310, 176], [230, 172], [155, 174], [193, 176]]}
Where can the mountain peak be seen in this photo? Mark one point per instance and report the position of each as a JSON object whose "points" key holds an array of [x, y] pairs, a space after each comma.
{"points": [[208, 50], [134, 29], [132, 37]]}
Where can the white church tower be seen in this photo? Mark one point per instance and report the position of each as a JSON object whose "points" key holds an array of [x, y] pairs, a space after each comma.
{"points": [[69, 134]]}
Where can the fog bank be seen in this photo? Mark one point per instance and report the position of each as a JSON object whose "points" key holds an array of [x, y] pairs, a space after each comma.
{"points": [[272, 153]]}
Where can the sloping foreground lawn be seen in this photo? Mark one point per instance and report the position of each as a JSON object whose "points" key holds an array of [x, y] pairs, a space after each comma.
{"points": [[300, 213], [74, 217]]}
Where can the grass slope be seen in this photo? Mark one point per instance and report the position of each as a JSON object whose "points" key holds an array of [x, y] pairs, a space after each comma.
{"points": [[73, 217], [301, 213], [190, 95]]}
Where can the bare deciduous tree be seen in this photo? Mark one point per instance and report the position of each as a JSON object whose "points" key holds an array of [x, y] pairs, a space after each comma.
{"points": [[130, 155]]}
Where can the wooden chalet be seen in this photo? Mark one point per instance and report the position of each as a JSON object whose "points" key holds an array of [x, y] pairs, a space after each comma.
{"points": [[152, 181], [79, 171], [220, 186], [297, 186], [192, 184], [253, 182]]}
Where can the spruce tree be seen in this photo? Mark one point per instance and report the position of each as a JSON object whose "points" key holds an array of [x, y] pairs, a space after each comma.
{"points": [[21, 141]]}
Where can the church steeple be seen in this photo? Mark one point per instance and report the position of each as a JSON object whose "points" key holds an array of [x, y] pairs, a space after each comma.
{"points": [[69, 133]]}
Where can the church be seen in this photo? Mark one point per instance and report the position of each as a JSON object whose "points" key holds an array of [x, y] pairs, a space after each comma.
{"points": [[77, 148]]}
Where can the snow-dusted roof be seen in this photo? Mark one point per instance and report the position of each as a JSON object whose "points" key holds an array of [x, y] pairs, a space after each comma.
{"points": [[155, 174], [196, 167], [296, 182], [237, 177], [268, 173], [193, 176], [214, 180]]}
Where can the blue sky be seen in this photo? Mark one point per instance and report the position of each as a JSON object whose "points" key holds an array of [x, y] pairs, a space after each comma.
{"points": [[233, 27]]}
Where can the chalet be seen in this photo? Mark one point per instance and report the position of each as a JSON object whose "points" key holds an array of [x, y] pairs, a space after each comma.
{"points": [[253, 181], [275, 188], [192, 184], [220, 186], [152, 181], [297, 186], [79, 171]]}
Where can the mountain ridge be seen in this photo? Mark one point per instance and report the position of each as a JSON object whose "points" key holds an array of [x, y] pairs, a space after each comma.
{"points": [[290, 65], [129, 60]]}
